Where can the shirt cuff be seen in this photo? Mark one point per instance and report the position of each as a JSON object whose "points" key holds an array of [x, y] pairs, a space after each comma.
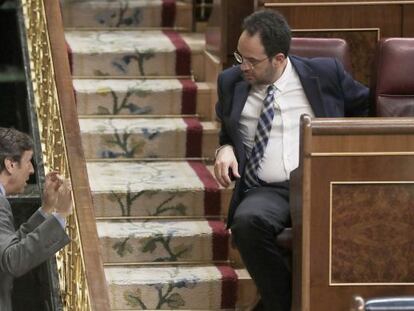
{"points": [[60, 219], [219, 148], [43, 213]]}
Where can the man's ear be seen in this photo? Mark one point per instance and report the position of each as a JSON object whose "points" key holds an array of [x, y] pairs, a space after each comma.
{"points": [[278, 59], [9, 165]]}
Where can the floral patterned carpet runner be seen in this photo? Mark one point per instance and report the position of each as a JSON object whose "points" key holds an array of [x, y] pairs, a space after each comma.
{"points": [[145, 119]]}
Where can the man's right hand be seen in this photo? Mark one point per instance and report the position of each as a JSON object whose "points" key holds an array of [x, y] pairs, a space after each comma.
{"points": [[226, 161]]}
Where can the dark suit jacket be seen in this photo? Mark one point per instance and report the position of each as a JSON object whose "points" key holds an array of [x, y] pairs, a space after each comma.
{"points": [[330, 91], [21, 250]]}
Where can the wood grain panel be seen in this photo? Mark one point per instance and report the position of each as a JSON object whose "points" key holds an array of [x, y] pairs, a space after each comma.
{"points": [[322, 295], [372, 240], [387, 18], [362, 43], [363, 143], [224, 26], [392, 18], [313, 290], [408, 21]]}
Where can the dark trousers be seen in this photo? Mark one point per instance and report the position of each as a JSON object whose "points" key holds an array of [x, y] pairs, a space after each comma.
{"points": [[262, 214]]}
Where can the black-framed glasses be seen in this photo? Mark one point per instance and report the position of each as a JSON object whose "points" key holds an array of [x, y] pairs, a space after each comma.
{"points": [[251, 63]]}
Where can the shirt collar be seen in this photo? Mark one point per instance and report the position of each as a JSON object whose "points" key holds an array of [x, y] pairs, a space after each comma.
{"points": [[2, 190], [281, 83]]}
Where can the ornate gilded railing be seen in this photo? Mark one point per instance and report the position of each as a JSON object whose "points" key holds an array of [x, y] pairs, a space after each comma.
{"points": [[82, 281]]}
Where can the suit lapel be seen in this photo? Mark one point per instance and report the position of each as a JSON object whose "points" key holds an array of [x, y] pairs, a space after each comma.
{"points": [[311, 87], [241, 91]]}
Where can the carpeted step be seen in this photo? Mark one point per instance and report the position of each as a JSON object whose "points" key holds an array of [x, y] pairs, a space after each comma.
{"points": [[148, 137], [247, 293], [163, 240], [171, 188], [143, 97], [179, 288], [159, 219], [131, 13], [123, 53]]}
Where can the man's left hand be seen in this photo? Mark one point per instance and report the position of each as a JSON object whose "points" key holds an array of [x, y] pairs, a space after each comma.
{"points": [[50, 193]]}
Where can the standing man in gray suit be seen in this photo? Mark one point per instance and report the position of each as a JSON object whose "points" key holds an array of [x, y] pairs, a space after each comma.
{"points": [[43, 234]]}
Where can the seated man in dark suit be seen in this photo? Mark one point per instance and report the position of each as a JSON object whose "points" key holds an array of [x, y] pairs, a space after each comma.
{"points": [[260, 102], [43, 234]]}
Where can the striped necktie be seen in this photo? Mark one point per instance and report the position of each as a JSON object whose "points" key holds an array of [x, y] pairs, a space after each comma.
{"points": [[261, 138]]}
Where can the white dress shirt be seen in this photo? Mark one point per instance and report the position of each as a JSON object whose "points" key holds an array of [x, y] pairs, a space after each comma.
{"points": [[282, 152]]}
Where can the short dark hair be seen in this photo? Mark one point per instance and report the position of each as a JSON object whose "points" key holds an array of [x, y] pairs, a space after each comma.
{"points": [[13, 144], [273, 30]]}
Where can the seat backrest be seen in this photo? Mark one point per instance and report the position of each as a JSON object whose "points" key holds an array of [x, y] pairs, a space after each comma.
{"points": [[393, 78], [322, 47]]}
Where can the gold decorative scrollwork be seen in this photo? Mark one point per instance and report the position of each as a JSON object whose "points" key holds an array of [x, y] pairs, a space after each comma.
{"points": [[71, 267]]}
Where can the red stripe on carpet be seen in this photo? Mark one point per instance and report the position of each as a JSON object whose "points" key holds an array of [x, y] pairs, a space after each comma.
{"points": [[189, 97], [220, 240], [229, 287], [168, 13], [182, 53], [194, 138], [211, 190]]}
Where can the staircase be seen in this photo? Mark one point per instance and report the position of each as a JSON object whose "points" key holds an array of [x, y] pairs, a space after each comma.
{"points": [[145, 113]]}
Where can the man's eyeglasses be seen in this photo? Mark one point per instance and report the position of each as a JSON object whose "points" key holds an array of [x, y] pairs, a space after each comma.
{"points": [[251, 63]]}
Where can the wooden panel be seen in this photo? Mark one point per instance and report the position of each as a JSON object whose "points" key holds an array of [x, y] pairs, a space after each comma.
{"points": [[216, 31], [372, 240], [212, 69], [362, 44], [408, 21], [224, 26], [387, 18], [312, 222], [392, 18], [322, 294], [363, 143], [351, 136], [386, 15]]}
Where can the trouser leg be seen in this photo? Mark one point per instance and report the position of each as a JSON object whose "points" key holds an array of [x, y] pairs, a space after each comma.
{"points": [[261, 215]]}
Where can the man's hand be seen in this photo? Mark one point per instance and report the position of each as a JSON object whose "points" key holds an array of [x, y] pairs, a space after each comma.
{"points": [[226, 161], [50, 192], [64, 199]]}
